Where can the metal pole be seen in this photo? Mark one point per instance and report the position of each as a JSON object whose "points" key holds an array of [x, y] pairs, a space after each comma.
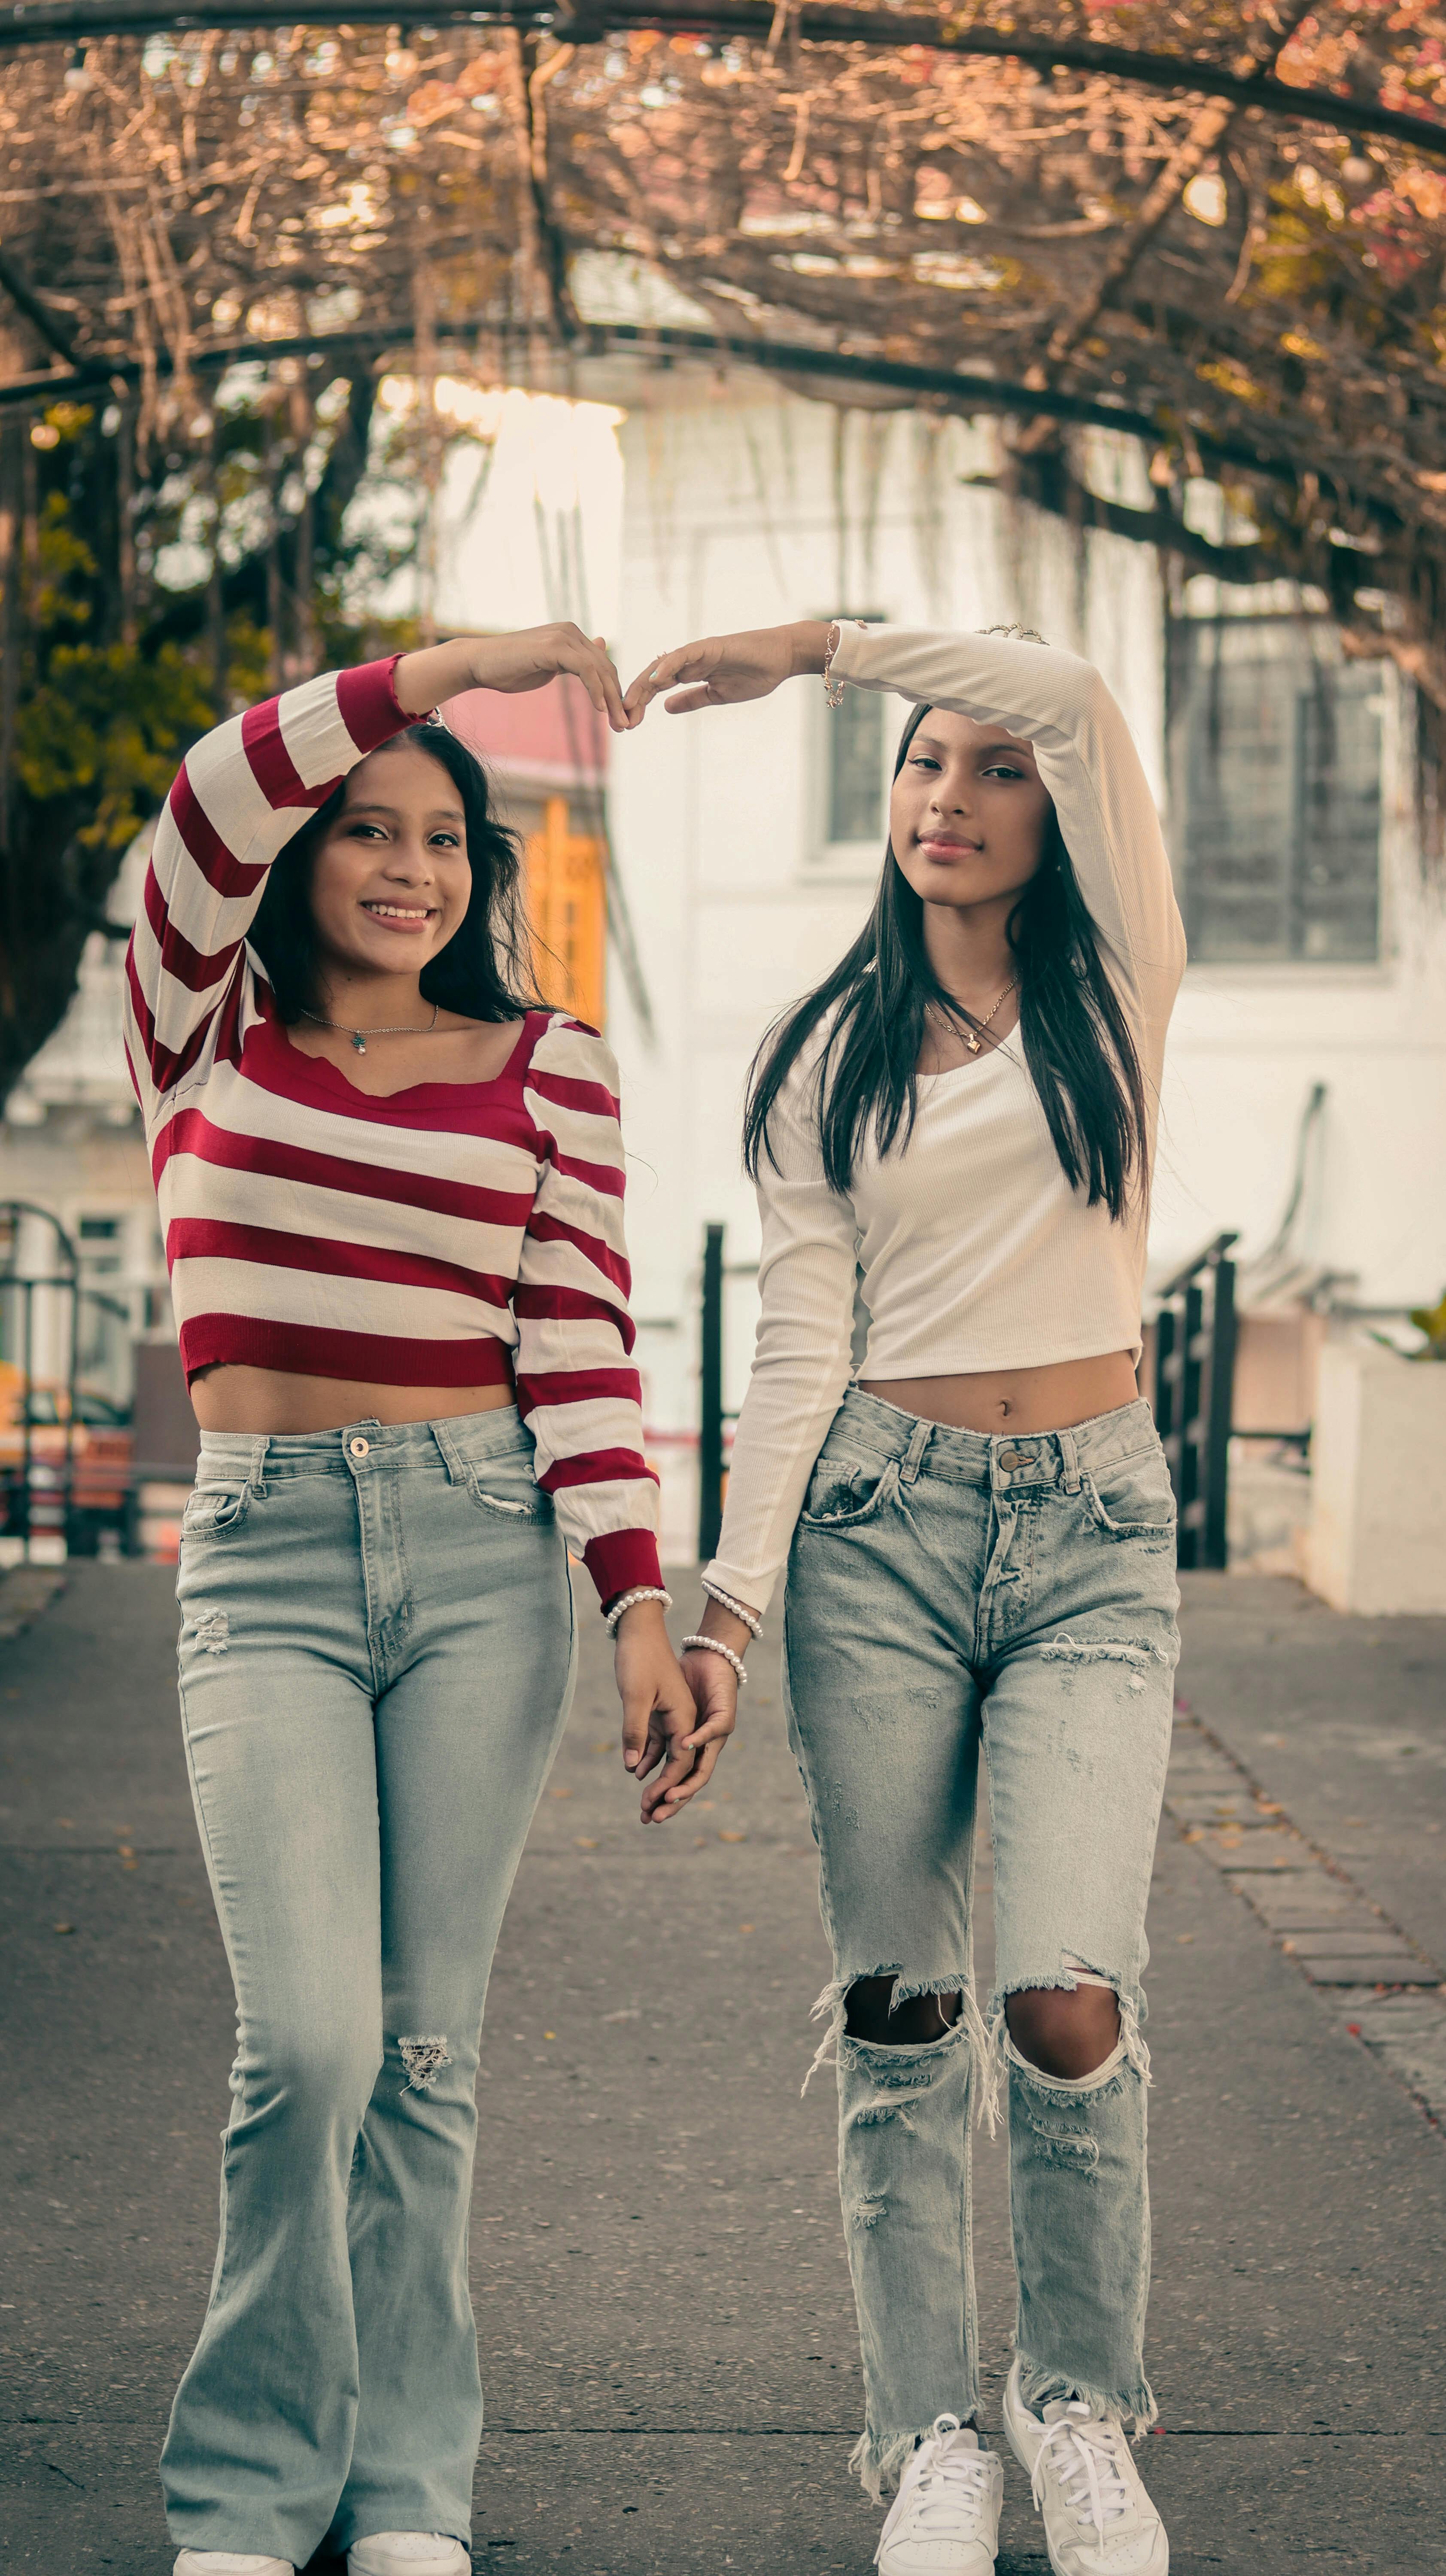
{"points": [[1216, 1549], [710, 1420], [1188, 1488], [28, 1291]]}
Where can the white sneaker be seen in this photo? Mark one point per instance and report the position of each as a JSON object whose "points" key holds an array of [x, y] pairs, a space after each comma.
{"points": [[1098, 2520], [944, 2521], [229, 2562], [408, 2553]]}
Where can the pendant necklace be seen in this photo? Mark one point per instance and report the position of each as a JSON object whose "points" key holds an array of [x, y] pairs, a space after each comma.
{"points": [[403, 1028], [972, 1041]]}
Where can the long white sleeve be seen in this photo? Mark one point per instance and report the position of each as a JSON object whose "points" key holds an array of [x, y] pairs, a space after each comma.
{"points": [[802, 1361], [1088, 761]]}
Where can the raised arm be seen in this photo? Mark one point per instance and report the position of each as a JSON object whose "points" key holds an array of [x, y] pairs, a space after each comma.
{"points": [[1058, 703], [247, 788], [1088, 761]]}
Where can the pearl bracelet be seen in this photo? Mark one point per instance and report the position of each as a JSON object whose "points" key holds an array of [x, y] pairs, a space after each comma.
{"points": [[834, 689], [739, 1609], [715, 1646], [645, 1592]]}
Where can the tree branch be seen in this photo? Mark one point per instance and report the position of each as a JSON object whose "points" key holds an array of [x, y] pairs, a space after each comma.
{"points": [[23, 296], [30, 22]]}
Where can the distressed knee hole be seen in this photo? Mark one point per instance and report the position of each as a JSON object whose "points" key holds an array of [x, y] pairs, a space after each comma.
{"points": [[890, 2013], [1067, 2032], [867, 2212], [213, 1631], [424, 2060]]}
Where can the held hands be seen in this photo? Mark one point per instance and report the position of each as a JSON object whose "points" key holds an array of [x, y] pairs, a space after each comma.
{"points": [[665, 1721], [722, 671]]}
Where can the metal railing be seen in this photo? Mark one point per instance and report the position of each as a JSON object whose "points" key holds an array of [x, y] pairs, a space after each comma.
{"points": [[1194, 1386], [713, 1414], [38, 1492], [1194, 1378]]}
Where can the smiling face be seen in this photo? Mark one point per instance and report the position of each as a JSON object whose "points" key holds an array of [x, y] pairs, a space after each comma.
{"points": [[968, 812], [390, 881]]}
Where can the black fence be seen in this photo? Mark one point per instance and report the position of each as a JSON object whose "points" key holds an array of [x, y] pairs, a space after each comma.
{"points": [[1194, 1387], [1194, 1375], [65, 1462]]}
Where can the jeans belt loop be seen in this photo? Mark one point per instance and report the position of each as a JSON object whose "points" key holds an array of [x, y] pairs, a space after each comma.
{"points": [[256, 1467], [451, 1454], [1069, 1460], [913, 1458]]}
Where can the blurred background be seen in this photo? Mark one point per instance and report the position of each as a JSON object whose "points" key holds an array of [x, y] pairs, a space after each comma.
{"points": [[353, 338]]}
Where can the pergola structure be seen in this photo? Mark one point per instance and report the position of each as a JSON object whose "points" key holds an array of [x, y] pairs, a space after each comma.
{"points": [[1220, 228]]}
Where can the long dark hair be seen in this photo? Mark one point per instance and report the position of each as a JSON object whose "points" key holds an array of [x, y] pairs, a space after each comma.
{"points": [[1077, 1044], [485, 969]]}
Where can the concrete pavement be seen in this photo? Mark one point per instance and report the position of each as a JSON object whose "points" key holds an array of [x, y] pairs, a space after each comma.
{"points": [[666, 2324]]}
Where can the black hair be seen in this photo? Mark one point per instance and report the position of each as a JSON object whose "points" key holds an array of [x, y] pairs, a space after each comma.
{"points": [[484, 971], [1077, 1043]]}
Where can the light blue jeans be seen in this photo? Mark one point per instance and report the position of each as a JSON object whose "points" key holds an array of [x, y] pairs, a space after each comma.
{"points": [[376, 1661], [945, 1586]]}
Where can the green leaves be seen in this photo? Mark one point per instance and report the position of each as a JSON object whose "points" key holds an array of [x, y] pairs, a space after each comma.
{"points": [[109, 725]]}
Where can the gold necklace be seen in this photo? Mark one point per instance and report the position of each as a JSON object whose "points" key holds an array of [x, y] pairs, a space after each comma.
{"points": [[972, 1041], [359, 1037]]}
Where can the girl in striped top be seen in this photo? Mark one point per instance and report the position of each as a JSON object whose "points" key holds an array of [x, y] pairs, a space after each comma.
{"points": [[392, 1186]]}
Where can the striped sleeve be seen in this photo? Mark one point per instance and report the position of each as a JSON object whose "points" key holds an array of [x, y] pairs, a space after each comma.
{"points": [[239, 797], [576, 1385]]}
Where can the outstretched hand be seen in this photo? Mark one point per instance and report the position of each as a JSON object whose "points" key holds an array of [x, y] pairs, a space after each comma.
{"points": [[725, 670]]}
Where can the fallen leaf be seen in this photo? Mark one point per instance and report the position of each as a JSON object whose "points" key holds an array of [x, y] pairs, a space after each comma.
{"points": [[65, 1927], [745, 1927], [559, 1793], [585, 1842], [549, 2034], [725, 1837], [1184, 1936]]}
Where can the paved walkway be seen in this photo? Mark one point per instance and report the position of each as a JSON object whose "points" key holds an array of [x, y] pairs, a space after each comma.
{"points": [[667, 2334]]}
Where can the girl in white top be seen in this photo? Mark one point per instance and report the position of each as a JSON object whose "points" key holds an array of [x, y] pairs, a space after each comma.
{"points": [[959, 1123]]}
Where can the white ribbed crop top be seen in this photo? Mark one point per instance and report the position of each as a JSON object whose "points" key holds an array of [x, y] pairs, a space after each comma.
{"points": [[969, 1247]]}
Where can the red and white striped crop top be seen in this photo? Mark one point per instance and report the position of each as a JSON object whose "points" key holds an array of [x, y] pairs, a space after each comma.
{"points": [[453, 1234]]}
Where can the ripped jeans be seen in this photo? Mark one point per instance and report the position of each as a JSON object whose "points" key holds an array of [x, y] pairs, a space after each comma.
{"points": [[376, 1662], [942, 1586]]}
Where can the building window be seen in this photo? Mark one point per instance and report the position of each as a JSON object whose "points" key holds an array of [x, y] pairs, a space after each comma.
{"points": [[1276, 791], [856, 768]]}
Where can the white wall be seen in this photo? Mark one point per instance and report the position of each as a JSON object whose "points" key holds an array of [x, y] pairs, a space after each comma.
{"points": [[744, 513]]}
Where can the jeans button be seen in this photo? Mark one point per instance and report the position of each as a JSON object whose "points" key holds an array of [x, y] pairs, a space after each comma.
{"points": [[1012, 1458], [359, 1448]]}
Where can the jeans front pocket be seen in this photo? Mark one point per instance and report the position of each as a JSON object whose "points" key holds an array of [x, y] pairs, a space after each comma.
{"points": [[843, 1492], [1133, 1497], [508, 1489], [216, 1508]]}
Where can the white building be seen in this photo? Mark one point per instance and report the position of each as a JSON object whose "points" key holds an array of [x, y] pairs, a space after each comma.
{"points": [[749, 840]]}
